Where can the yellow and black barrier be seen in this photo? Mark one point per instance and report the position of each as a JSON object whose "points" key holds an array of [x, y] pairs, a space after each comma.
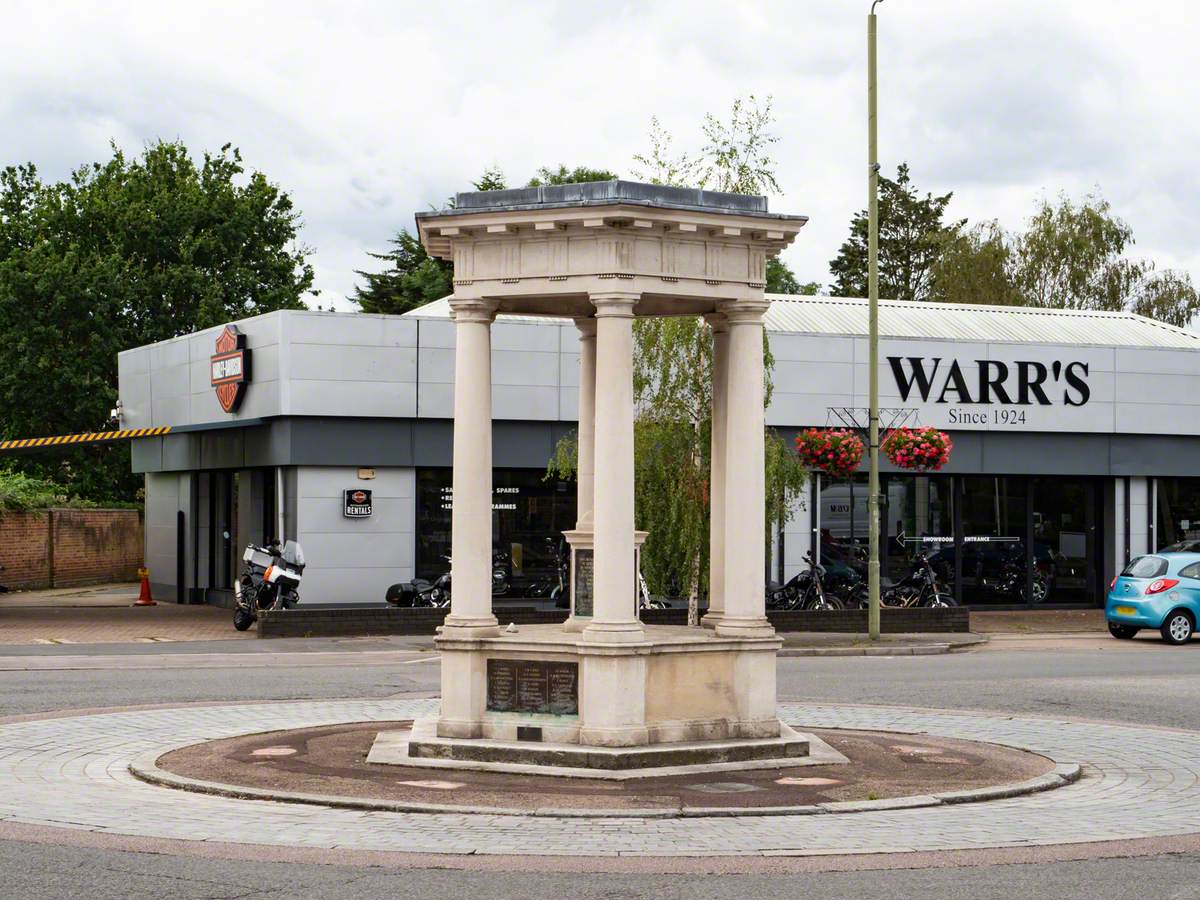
{"points": [[90, 437]]}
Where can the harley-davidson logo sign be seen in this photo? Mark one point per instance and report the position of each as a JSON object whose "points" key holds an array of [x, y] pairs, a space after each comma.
{"points": [[358, 503], [230, 368]]}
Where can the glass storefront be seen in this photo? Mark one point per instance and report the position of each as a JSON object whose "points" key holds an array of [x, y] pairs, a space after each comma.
{"points": [[993, 540], [529, 514], [1178, 518]]}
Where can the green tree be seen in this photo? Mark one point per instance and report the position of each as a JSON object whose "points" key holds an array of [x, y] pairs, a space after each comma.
{"points": [[412, 278], [1069, 256], [782, 280], [126, 252], [911, 237], [563, 175], [673, 375], [975, 266]]}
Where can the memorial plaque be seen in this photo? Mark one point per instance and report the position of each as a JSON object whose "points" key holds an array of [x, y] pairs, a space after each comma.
{"points": [[533, 686], [583, 582], [502, 685], [564, 688]]}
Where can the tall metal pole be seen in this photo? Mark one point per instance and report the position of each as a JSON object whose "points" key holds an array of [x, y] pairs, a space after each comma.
{"points": [[873, 337]]}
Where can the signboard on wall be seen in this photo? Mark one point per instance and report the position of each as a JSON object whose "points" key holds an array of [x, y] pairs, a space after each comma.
{"points": [[358, 503], [230, 368]]}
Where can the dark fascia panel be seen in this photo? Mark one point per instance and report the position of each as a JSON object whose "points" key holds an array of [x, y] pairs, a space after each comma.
{"points": [[337, 441]]}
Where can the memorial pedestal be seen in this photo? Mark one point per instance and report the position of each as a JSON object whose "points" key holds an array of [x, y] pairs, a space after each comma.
{"points": [[582, 544], [546, 685]]}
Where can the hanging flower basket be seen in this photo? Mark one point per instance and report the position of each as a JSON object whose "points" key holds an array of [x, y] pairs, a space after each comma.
{"points": [[920, 449], [836, 452]]}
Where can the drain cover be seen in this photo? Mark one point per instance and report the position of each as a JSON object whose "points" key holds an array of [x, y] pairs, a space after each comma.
{"points": [[274, 751], [433, 784], [724, 787]]}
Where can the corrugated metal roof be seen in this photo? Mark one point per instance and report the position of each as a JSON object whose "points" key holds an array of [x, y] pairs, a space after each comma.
{"points": [[944, 321]]}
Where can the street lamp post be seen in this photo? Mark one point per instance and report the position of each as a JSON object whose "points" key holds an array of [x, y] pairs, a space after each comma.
{"points": [[873, 336]]}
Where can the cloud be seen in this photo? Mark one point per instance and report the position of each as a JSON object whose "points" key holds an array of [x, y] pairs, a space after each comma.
{"points": [[368, 112]]}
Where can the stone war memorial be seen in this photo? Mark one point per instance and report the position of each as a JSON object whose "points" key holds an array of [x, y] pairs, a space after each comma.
{"points": [[604, 692]]}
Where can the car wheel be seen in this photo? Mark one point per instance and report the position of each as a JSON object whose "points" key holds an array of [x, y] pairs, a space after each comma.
{"points": [[1123, 632], [1177, 627]]}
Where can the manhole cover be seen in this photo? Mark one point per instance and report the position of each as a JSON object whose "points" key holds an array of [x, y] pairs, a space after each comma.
{"points": [[434, 785], [274, 751], [813, 782], [724, 787]]}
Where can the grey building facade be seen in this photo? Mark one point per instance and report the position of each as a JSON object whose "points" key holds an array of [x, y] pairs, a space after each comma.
{"points": [[1077, 445]]}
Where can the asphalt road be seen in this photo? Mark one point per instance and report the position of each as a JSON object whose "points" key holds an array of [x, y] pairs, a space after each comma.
{"points": [[1147, 684]]}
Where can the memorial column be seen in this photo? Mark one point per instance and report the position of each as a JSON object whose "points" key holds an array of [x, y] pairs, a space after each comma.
{"points": [[745, 477], [471, 518], [615, 613], [585, 468], [716, 488]]}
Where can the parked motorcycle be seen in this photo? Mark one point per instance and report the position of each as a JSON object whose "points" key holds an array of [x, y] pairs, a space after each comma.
{"points": [[920, 587], [270, 579], [421, 592], [805, 590]]}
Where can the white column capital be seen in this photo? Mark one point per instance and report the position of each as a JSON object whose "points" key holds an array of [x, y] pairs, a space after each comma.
{"points": [[743, 312], [615, 303], [483, 311], [587, 328]]}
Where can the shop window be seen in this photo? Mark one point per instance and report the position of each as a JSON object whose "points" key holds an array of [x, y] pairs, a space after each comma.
{"points": [[993, 548], [918, 518], [529, 514], [1178, 502], [1064, 538]]}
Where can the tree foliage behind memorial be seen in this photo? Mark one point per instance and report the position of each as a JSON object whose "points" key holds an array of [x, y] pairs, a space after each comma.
{"points": [[1069, 254], [126, 252], [673, 372]]}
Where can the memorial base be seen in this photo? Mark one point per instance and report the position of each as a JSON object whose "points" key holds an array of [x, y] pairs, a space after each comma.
{"points": [[423, 749], [546, 685]]}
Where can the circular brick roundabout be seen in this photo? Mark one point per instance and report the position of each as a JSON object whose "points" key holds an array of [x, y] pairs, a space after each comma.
{"points": [[73, 772]]}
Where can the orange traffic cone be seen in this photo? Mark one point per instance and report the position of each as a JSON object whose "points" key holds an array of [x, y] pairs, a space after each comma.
{"points": [[144, 598]]}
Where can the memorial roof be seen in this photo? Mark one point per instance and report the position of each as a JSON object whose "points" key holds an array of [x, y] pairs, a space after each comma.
{"points": [[607, 193]]}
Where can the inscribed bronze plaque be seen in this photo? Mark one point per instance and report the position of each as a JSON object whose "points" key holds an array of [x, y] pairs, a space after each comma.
{"points": [[533, 686], [583, 581], [502, 685]]}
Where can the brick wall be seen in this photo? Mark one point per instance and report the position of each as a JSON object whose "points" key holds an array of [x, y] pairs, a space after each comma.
{"points": [[69, 547]]}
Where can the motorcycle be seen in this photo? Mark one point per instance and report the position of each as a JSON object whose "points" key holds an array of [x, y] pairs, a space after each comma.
{"points": [[421, 592], [270, 579], [645, 601], [805, 590], [920, 587]]}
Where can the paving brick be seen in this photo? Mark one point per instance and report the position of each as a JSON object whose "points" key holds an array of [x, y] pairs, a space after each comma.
{"points": [[71, 772]]}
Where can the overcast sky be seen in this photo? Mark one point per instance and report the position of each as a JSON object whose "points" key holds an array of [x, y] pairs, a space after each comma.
{"points": [[368, 112]]}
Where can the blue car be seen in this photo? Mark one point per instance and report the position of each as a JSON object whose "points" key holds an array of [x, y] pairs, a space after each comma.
{"points": [[1159, 591]]}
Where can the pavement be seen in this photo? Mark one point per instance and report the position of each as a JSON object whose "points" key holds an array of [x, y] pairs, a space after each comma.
{"points": [[1120, 689], [74, 772], [105, 614]]}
